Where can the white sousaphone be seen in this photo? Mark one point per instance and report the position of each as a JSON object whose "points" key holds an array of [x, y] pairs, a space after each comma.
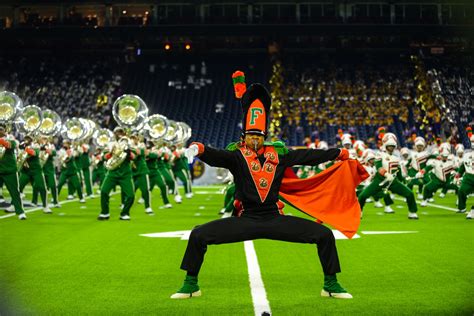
{"points": [[10, 106], [130, 112]]}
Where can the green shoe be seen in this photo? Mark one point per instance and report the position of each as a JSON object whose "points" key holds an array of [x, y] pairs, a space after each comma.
{"points": [[333, 289], [189, 289]]}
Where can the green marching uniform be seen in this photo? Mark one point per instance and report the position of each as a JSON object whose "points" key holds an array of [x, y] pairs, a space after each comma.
{"points": [[86, 172], [165, 170], [181, 170], [69, 173], [98, 173], [467, 184], [9, 175], [32, 172], [418, 163], [155, 177], [440, 177], [78, 162], [49, 175], [121, 176], [391, 164], [140, 177]]}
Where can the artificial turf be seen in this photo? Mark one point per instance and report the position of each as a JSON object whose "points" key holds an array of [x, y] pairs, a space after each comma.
{"points": [[68, 263]]}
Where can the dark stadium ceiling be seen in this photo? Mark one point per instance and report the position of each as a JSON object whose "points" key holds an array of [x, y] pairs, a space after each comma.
{"points": [[150, 2]]}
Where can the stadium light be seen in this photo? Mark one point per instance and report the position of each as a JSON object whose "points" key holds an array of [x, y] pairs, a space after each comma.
{"points": [[187, 46], [167, 46], [124, 12]]}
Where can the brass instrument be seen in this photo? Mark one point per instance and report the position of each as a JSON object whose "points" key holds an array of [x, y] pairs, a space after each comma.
{"points": [[131, 112], [50, 126], [103, 137], [156, 127], [10, 106], [119, 154], [74, 129], [28, 122]]}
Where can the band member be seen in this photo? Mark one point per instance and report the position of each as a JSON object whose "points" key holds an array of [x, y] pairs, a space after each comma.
{"points": [[32, 172], [119, 173], [69, 171], [8, 170], [258, 170]]}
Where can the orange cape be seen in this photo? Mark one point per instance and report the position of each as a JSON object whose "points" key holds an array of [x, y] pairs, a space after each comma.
{"points": [[329, 196]]}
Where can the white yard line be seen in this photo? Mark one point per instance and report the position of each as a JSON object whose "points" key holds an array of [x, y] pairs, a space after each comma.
{"points": [[40, 208], [259, 296], [433, 205]]}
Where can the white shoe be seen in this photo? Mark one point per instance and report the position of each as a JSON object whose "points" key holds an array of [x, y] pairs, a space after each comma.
{"points": [[442, 195], [424, 203], [57, 205], [22, 216], [226, 214], [70, 197], [47, 210], [186, 295], [392, 196], [103, 217], [412, 215], [10, 209], [189, 195], [222, 211], [420, 196], [431, 200], [178, 199], [470, 215], [82, 200], [369, 200], [91, 196], [168, 205], [141, 201], [335, 295], [388, 210], [149, 211], [2, 200], [124, 217], [378, 204]]}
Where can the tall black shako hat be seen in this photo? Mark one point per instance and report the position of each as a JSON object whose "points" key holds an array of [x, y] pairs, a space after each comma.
{"points": [[256, 104]]}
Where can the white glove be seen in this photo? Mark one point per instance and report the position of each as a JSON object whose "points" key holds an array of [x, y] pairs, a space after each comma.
{"points": [[389, 177], [419, 175], [191, 152]]}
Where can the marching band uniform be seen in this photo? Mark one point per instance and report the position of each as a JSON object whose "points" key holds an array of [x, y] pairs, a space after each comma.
{"points": [[467, 183], [140, 175], [387, 177], [47, 156], [258, 176], [8, 172], [98, 172], [69, 171], [441, 171], [32, 172], [85, 167], [181, 170], [122, 176], [156, 179]]}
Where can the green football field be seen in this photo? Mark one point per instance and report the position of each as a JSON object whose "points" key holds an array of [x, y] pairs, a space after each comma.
{"points": [[68, 263]]}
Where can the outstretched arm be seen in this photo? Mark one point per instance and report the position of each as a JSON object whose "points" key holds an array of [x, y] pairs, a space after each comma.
{"points": [[313, 157], [212, 156]]}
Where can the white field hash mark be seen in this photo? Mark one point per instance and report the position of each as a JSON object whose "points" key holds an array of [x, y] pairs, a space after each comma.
{"points": [[259, 295]]}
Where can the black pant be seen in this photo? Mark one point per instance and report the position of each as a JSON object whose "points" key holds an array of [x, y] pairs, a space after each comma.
{"points": [[278, 227]]}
